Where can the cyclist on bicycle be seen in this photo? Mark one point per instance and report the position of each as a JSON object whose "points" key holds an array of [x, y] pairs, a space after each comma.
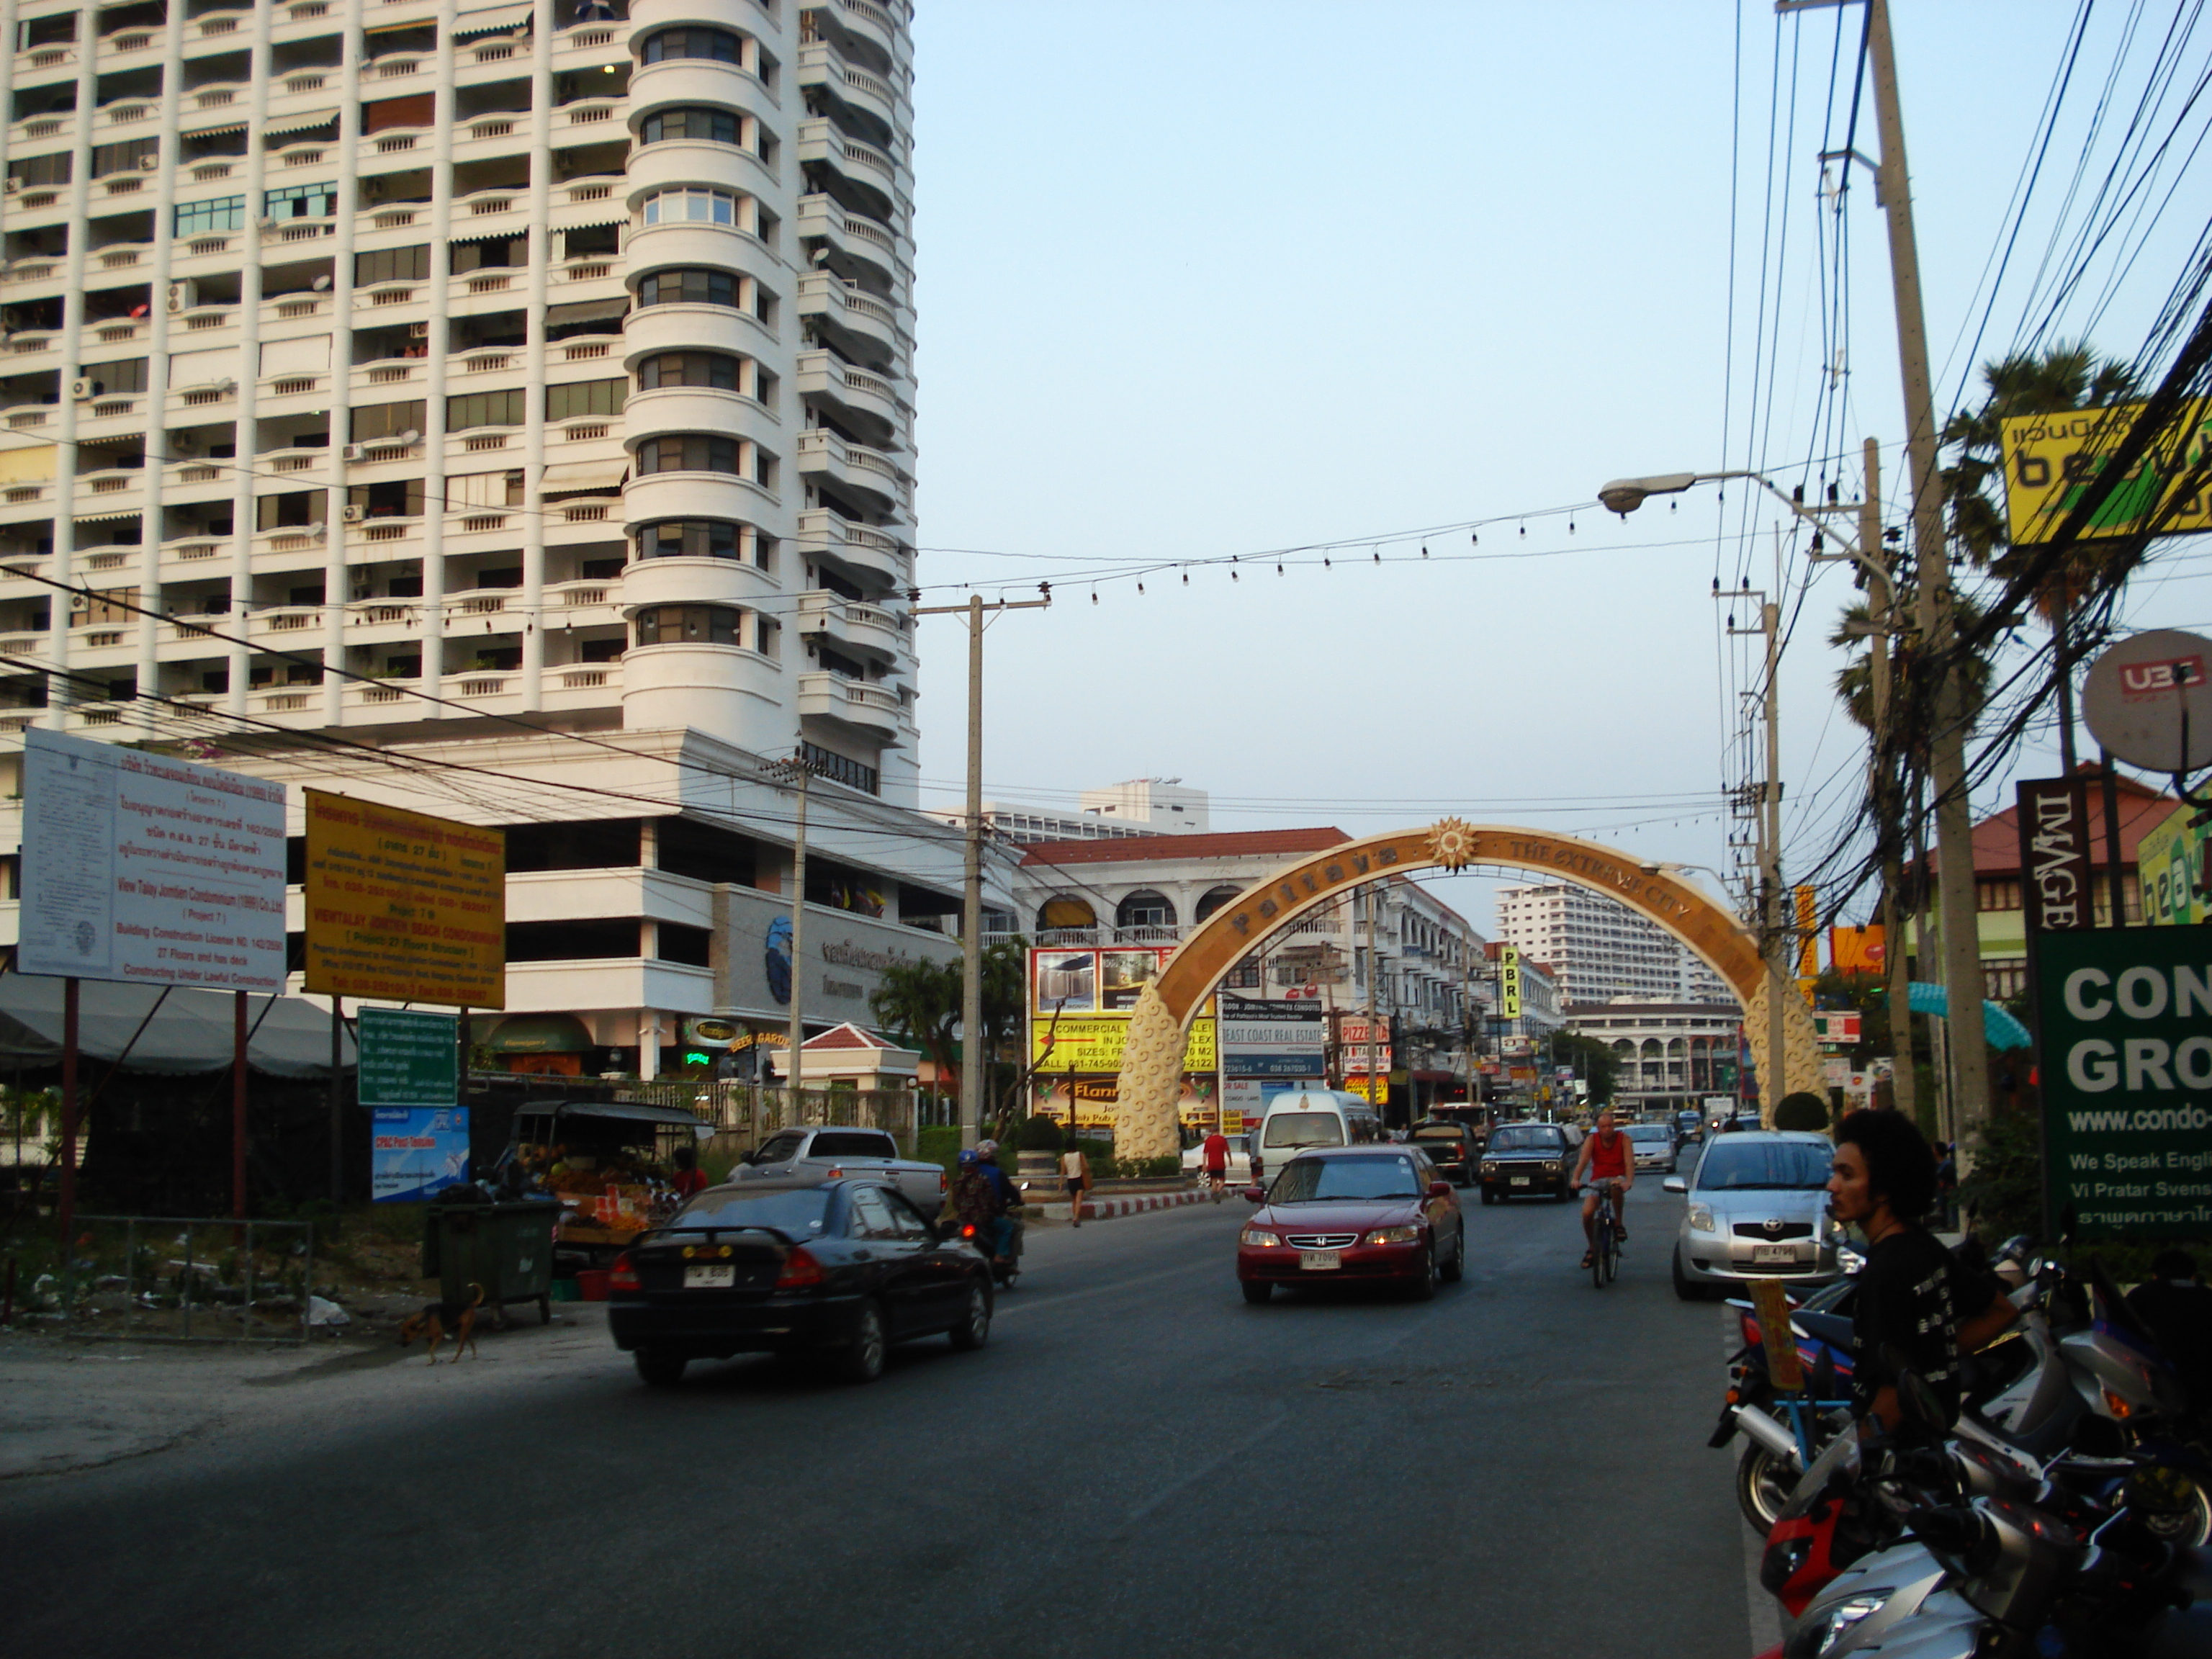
{"points": [[1607, 1160]]}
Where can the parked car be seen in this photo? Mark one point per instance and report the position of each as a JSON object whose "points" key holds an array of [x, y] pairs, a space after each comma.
{"points": [[844, 1267], [1452, 1148], [1757, 1208], [1653, 1145], [1524, 1159], [818, 1154], [1380, 1214]]}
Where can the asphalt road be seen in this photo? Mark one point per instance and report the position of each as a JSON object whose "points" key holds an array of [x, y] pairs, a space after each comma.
{"points": [[1137, 1462]]}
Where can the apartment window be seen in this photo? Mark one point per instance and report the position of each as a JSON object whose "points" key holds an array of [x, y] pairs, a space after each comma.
{"points": [[1998, 895], [691, 624], [707, 369], [384, 421], [670, 45], [508, 408], [301, 202], [717, 126], [129, 375], [1145, 909], [2004, 978], [52, 169], [218, 212], [691, 287], [692, 452], [392, 264], [838, 769], [691, 539], [691, 206], [584, 397], [124, 157]]}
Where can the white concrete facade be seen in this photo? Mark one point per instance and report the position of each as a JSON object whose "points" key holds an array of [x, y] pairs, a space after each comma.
{"points": [[1597, 948]]}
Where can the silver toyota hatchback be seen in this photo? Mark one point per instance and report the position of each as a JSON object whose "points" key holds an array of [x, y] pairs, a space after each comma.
{"points": [[1758, 1209]]}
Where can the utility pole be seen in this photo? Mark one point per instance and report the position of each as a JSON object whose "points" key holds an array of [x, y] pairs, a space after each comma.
{"points": [[797, 771], [973, 1061], [1373, 972], [1889, 816], [1767, 824]]}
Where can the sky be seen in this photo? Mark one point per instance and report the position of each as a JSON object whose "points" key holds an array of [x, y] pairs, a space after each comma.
{"points": [[1216, 279]]}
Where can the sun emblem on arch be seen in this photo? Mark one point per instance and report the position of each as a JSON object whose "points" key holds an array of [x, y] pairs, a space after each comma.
{"points": [[1451, 843]]}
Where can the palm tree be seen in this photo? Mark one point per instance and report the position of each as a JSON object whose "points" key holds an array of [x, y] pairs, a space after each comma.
{"points": [[919, 1002], [2067, 376]]}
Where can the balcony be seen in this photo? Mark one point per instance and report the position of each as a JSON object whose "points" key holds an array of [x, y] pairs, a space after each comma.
{"points": [[878, 551], [853, 625], [855, 468], [853, 393], [862, 315], [821, 66], [872, 710], [863, 165], [873, 23], [822, 219]]}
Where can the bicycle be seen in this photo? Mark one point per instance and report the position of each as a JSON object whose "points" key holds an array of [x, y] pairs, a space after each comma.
{"points": [[1605, 1241]]}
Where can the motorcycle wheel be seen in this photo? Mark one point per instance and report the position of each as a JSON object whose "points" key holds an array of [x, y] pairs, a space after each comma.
{"points": [[2187, 1523], [1763, 1484]]}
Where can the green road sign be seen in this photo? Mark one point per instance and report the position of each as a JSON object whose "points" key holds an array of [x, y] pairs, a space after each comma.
{"points": [[408, 1058], [2126, 1070]]}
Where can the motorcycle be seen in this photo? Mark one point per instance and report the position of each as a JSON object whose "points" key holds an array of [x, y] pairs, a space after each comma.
{"points": [[1005, 1269]]}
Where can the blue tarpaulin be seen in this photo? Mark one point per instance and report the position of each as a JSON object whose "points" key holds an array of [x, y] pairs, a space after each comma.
{"points": [[2002, 1031]]}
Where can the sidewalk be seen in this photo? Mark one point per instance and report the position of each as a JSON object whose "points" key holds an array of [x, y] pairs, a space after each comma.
{"points": [[1105, 1209]]}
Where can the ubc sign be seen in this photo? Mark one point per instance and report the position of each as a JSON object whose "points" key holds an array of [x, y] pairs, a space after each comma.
{"points": [[2127, 1080]]}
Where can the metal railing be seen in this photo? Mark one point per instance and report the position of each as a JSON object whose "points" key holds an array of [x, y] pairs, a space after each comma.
{"points": [[200, 1279]]}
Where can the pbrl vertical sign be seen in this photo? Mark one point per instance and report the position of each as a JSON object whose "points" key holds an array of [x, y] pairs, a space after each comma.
{"points": [[2126, 1066]]}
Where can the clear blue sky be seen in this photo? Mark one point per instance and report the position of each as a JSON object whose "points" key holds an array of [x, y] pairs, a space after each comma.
{"points": [[1208, 278]]}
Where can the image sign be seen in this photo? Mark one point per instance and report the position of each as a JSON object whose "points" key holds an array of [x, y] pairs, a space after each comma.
{"points": [[143, 868], [2126, 1064], [2054, 855], [2051, 460], [404, 906]]}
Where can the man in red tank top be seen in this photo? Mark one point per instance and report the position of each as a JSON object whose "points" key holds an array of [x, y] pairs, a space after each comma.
{"points": [[1606, 1157]]}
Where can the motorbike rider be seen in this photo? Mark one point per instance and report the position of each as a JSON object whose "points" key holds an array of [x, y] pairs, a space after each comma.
{"points": [[973, 1202], [1009, 1197], [1606, 1159], [1917, 1305]]}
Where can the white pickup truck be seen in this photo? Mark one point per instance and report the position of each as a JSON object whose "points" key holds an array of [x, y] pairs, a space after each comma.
{"points": [[819, 1154]]}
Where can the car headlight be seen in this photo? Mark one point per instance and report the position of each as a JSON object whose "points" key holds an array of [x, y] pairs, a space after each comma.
{"points": [[1489, 1166], [1393, 1236], [1701, 1219], [1844, 1614], [1551, 1166], [1258, 1238]]}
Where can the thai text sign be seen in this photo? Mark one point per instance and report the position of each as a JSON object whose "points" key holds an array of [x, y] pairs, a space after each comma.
{"points": [[2053, 815], [139, 868], [2170, 864], [408, 1058], [1093, 1043], [2126, 1065], [2051, 460], [404, 906], [418, 1151]]}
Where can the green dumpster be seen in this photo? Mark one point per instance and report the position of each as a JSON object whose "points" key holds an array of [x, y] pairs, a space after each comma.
{"points": [[507, 1249]]}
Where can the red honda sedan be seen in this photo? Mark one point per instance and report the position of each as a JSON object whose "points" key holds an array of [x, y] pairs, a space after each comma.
{"points": [[1353, 1213]]}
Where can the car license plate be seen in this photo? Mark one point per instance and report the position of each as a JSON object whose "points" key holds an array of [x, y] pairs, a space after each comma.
{"points": [[710, 1279], [1773, 1253], [1319, 1261], [1519, 1181]]}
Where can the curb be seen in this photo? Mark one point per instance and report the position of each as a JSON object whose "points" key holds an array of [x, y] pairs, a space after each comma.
{"points": [[1106, 1209]]}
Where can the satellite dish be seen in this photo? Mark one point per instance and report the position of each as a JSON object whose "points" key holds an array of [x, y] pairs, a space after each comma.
{"points": [[2149, 700]]}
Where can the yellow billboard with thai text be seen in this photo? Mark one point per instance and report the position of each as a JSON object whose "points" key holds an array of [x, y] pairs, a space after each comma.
{"points": [[1092, 1044], [2051, 460], [402, 907]]}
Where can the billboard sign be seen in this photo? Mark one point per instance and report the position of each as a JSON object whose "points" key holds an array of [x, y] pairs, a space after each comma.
{"points": [[1286, 1040], [403, 906], [1508, 983], [2126, 1069], [1858, 950], [2170, 866], [143, 868], [1090, 1044], [2053, 815], [418, 1151], [2049, 461], [410, 1078]]}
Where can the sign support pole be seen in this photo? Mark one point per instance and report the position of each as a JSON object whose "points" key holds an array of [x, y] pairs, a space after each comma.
{"points": [[68, 1203], [337, 1110], [238, 1106]]}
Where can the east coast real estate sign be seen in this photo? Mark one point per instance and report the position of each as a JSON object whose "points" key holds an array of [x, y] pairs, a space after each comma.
{"points": [[2126, 1069]]}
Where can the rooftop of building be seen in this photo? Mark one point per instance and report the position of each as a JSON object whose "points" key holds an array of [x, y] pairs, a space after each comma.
{"points": [[1214, 844], [2143, 808]]}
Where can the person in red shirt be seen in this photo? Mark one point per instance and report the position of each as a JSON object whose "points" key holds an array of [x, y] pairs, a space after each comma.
{"points": [[1607, 1158], [1213, 1156], [689, 1178]]}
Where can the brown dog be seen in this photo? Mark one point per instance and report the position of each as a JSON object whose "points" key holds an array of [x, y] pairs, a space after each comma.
{"points": [[437, 1319]]}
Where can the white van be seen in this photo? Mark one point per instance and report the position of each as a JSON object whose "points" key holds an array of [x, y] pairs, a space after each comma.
{"points": [[1306, 1118]]}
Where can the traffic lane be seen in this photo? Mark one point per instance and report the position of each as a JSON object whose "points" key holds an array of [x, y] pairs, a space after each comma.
{"points": [[1138, 1456]]}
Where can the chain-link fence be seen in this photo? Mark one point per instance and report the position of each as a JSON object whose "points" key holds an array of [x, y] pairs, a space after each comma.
{"points": [[199, 1279]]}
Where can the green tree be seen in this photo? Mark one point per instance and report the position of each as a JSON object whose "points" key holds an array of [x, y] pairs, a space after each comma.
{"points": [[918, 1002], [1592, 1059]]}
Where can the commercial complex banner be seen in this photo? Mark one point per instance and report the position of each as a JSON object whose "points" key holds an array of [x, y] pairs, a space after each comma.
{"points": [[2170, 865], [2049, 461], [143, 868], [2126, 1067], [1092, 1043], [404, 906], [2054, 894]]}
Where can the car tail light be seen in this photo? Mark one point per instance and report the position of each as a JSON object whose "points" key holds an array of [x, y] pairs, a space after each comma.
{"points": [[624, 1275], [800, 1269], [943, 1183]]}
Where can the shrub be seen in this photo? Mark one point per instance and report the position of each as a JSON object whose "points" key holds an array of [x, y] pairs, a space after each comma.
{"points": [[2005, 1191], [1037, 1134]]}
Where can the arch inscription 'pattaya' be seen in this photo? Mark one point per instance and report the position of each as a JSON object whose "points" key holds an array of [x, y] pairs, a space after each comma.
{"points": [[1150, 1081]]}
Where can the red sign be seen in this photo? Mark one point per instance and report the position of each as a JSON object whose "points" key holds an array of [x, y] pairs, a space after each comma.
{"points": [[2151, 679]]}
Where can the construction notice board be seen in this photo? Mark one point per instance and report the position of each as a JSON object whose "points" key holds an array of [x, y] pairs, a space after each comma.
{"points": [[403, 907]]}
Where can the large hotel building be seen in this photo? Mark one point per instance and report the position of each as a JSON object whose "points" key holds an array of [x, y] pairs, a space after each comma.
{"points": [[505, 410]]}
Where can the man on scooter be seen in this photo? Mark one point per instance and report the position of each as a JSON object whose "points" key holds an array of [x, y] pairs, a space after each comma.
{"points": [[1008, 1195]]}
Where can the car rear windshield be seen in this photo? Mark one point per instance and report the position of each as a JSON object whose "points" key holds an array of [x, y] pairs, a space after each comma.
{"points": [[1304, 1129], [1524, 1138], [1310, 1179], [854, 1143], [1646, 1131], [1447, 1132], [794, 1211], [1731, 1165]]}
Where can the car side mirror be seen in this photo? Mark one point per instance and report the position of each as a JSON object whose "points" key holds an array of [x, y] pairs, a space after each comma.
{"points": [[1676, 1184], [1440, 1189], [1255, 1195]]}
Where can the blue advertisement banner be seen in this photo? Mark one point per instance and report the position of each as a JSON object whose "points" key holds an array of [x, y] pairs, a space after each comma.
{"points": [[1246, 1064], [417, 1151]]}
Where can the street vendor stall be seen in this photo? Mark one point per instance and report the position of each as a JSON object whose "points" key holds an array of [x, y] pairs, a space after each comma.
{"points": [[609, 1163]]}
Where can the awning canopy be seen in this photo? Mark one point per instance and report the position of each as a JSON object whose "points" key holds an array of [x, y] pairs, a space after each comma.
{"points": [[628, 1111], [489, 21], [321, 118], [189, 1031], [586, 311], [568, 477], [216, 131]]}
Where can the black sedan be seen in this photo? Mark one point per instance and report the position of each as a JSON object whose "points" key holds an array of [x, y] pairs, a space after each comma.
{"points": [[845, 1268], [1523, 1159], [1452, 1148]]}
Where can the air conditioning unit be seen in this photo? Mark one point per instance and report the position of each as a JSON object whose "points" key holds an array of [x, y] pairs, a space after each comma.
{"points": [[266, 222], [81, 389], [13, 186], [150, 163], [184, 295], [418, 330], [349, 514], [353, 451]]}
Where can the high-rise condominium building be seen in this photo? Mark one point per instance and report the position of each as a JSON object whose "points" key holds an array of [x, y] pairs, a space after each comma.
{"points": [[1598, 949], [522, 376]]}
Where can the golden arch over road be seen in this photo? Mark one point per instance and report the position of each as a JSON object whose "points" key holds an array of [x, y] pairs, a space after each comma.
{"points": [[1144, 1117]]}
